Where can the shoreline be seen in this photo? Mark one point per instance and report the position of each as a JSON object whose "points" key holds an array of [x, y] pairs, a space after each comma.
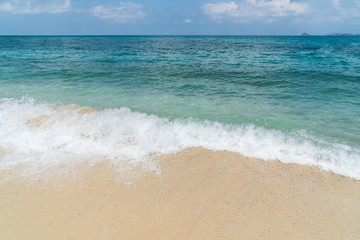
{"points": [[200, 194]]}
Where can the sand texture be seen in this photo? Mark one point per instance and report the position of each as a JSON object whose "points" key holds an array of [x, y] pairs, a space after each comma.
{"points": [[200, 194]]}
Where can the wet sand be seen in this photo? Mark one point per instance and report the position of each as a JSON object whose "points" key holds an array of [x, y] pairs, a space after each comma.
{"points": [[200, 194]]}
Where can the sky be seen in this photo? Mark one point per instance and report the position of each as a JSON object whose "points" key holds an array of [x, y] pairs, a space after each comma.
{"points": [[184, 17]]}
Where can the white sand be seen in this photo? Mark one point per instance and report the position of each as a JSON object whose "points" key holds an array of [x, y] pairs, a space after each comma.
{"points": [[200, 194]]}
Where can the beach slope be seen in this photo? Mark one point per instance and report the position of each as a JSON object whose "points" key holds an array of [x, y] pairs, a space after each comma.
{"points": [[200, 194]]}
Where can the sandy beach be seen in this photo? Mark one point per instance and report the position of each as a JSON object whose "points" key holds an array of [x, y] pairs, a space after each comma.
{"points": [[200, 194]]}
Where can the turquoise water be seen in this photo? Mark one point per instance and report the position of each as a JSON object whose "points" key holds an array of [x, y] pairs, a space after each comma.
{"points": [[303, 88]]}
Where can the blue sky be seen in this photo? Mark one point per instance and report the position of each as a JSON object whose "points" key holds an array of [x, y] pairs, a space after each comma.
{"points": [[239, 17]]}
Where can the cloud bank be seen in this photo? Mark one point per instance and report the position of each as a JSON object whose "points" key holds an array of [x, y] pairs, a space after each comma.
{"points": [[347, 8], [35, 6], [248, 10], [126, 12]]}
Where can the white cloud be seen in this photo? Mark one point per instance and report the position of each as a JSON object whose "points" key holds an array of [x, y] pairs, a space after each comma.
{"points": [[336, 3], [346, 8], [248, 10], [188, 20], [217, 10], [35, 6], [126, 12]]}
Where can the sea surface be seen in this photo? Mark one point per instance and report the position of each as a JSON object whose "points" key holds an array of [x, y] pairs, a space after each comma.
{"points": [[288, 98]]}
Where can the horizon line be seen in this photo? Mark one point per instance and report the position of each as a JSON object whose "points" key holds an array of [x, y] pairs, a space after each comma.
{"points": [[255, 35]]}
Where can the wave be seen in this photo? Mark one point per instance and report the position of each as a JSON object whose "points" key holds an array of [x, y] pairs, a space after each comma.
{"points": [[42, 136]]}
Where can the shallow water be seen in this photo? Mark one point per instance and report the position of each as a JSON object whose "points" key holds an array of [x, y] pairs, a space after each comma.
{"points": [[295, 99]]}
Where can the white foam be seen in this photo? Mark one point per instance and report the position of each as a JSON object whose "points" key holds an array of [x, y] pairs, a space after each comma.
{"points": [[44, 136]]}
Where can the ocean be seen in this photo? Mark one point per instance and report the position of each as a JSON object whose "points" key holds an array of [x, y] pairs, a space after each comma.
{"points": [[69, 99]]}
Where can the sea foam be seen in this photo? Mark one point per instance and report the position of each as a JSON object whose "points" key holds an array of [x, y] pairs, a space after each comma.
{"points": [[42, 136]]}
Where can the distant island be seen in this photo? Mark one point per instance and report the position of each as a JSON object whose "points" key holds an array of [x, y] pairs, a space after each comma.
{"points": [[340, 34], [333, 34]]}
